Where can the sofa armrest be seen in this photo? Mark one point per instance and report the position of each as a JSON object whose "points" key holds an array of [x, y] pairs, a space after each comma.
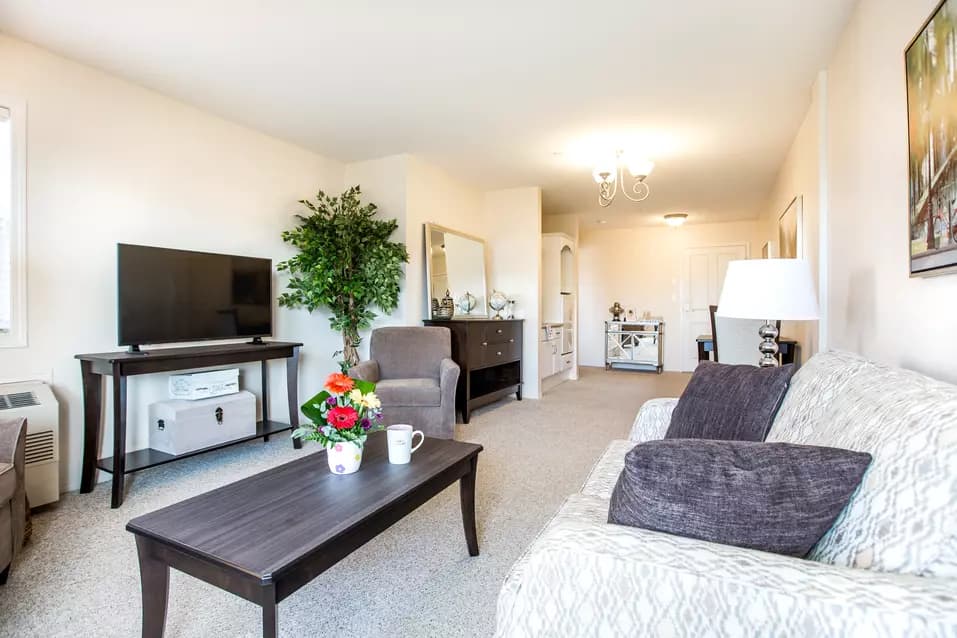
{"points": [[12, 442], [653, 420], [365, 371], [621, 580], [448, 377]]}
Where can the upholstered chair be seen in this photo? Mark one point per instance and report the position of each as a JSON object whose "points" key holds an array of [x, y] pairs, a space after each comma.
{"points": [[13, 499], [415, 377]]}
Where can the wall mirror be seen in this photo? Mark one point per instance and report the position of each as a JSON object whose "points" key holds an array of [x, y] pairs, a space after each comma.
{"points": [[456, 264]]}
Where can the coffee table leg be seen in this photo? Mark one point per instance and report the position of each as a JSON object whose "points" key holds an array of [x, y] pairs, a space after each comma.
{"points": [[154, 578], [467, 496], [270, 620]]}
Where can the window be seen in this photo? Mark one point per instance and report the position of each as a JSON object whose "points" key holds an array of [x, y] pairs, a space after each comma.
{"points": [[13, 326]]}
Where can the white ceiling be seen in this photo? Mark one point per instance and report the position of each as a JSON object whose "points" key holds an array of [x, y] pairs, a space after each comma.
{"points": [[712, 91]]}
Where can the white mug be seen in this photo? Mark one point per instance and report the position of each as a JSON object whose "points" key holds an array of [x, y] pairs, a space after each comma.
{"points": [[400, 443]]}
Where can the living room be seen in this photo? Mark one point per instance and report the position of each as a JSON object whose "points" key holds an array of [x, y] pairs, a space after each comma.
{"points": [[201, 128]]}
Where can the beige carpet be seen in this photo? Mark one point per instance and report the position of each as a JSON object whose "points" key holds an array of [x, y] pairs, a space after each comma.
{"points": [[79, 576]]}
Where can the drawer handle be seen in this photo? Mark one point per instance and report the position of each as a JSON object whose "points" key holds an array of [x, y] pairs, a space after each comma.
{"points": [[498, 354], [499, 331], [484, 344], [511, 340]]}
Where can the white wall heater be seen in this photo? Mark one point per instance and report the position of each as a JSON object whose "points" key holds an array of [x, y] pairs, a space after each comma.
{"points": [[35, 401]]}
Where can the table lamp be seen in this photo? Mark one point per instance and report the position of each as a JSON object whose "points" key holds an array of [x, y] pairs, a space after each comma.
{"points": [[781, 289]]}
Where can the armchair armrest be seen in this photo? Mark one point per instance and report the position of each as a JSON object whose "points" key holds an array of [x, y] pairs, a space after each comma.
{"points": [[653, 420], [640, 582], [366, 371], [448, 375]]}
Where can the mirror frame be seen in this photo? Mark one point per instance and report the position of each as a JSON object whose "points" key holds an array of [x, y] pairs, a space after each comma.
{"points": [[429, 227]]}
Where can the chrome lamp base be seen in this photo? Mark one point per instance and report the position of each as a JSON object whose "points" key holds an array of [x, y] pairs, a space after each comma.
{"points": [[769, 345]]}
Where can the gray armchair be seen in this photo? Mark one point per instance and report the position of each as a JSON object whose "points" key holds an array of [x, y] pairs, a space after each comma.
{"points": [[415, 377], [13, 500]]}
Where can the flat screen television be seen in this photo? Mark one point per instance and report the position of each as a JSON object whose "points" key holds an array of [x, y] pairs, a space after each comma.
{"points": [[166, 296]]}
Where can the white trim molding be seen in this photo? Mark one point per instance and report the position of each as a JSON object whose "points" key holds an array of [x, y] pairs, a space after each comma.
{"points": [[16, 337]]}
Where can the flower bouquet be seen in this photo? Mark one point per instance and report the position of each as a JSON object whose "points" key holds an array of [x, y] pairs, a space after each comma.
{"points": [[343, 415]]}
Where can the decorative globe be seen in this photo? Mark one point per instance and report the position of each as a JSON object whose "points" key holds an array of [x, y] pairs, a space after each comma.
{"points": [[497, 302]]}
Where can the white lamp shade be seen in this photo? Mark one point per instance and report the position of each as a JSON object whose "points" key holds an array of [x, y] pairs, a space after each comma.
{"points": [[639, 167], [770, 289], [605, 172]]}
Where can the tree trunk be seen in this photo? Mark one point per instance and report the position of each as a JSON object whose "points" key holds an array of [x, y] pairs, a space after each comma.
{"points": [[350, 339]]}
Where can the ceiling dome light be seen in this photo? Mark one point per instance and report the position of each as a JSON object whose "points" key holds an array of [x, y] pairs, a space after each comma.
{"points": [[676, 219]]}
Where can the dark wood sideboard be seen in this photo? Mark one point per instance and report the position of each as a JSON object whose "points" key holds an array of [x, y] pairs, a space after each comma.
{"points": [[489, 352]]}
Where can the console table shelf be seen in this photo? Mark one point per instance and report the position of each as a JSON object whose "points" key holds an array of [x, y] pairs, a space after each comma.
{"points": [[121, 365], [147, 458]]}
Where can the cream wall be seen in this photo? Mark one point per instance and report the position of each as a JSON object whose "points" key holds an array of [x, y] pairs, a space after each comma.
{"points": [[514, 221], [568, 224], [875, 307], [385, 182], [436, 197], [414, 192], [642, 268], [112, 162], [800, 176]]}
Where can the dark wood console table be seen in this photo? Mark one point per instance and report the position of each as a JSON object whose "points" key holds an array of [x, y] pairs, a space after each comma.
{"points": [[489, 353], [120, 365]]}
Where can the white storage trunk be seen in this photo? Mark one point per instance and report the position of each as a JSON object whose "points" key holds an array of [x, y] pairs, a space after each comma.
{"points": [[202, 385], [178, 427]]}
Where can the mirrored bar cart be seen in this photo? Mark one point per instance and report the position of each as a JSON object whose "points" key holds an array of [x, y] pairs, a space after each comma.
{"points": [[635, 345]]}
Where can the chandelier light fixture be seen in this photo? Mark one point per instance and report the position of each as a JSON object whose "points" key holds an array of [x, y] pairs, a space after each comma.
{"points": [[611, 175]]}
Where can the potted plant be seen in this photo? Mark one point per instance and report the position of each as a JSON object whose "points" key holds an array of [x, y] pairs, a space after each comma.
{"points": [[347, 263], [342, 417]]}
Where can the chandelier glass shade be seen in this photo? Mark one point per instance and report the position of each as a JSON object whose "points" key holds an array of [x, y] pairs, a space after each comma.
{"points": [[610, 177]]}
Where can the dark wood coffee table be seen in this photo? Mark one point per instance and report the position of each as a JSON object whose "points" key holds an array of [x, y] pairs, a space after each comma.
{"points": [[264, 537]]}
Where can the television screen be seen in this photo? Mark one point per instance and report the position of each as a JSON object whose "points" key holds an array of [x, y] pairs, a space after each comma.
{"points": [[166, 295]]}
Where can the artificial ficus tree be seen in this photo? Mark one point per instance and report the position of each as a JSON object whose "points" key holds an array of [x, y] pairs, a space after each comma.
{"points": [[347, 264]]}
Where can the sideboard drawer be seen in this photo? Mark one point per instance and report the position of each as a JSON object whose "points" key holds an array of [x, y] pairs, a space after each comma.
{"points": [[491, 354], [501, 332]]}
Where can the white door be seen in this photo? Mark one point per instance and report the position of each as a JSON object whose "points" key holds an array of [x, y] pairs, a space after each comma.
{"points": [[704, 270]]}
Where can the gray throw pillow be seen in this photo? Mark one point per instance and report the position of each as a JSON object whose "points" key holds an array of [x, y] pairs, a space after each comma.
{"points": [[729, 402], [774, 497]]}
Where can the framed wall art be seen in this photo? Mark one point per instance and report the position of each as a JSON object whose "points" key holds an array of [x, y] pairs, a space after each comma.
{"points": [[790, 244], [931, 67]]}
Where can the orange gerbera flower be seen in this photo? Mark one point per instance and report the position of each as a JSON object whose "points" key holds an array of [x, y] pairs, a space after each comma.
{"points": [[339, 383]]}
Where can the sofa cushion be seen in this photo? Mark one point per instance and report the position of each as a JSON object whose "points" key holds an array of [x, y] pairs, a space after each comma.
{"points": [[904, 517], [774, 497], [8, 482], [729, 402], [409, 392]]}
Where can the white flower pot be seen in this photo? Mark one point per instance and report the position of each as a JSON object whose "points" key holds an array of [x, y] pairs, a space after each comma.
{"points": [[344, 458]]}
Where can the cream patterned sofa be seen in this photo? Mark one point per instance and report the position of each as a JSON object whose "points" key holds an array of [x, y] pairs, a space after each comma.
{"points": [[888, 566]]}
